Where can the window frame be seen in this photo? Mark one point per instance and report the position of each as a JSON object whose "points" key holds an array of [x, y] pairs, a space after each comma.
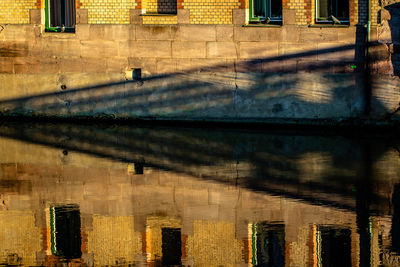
{"points": [[328, 21], [48, 27], [253, 19]]}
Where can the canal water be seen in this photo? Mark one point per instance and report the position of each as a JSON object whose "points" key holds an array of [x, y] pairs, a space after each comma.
{"points": [[129, 195]]}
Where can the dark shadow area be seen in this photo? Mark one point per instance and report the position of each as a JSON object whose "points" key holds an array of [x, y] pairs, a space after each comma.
{"points": [[166, 7], [315, 167]]}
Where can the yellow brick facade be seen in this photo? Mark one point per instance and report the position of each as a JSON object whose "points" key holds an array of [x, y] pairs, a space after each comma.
{"points": [[211, 11], [301, 10], [16, 11], [108, 11]]}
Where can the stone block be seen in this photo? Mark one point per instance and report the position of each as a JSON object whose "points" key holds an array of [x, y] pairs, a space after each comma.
{"points": [[290, 33], [313, 35], [26, 65], [71, 65], [224, 33], [14, 49], [6, 65], [289, 16], [135, 16], [81, 16], [94, 65], [222, 50], [243, 34], [212, 65], [18, 32], [347, 35], [335, 52], [259, 50], [35, 16], [116, 64], [183, 16], [97, 49], [298, 50], [239, 16], [153, 32], [66, 47], [149, 49], [82, 31], [96, 32], [49, 65], [148, 65], [166, 65], [119, 32], [188, 49], [196, 33]]}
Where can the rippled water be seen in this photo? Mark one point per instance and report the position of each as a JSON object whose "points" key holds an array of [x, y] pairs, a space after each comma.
{"points": [[96, 195]]}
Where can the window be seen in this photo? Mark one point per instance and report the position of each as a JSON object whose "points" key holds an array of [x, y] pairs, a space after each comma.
{"points": [[160, 6], [334, 246], [60, 15], [268, 244], [266, 11], [332, 11]]}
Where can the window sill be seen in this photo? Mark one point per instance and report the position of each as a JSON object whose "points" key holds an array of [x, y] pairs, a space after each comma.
{"points": [[262, 25], [329, 25], [61, 35], [158, 15]]}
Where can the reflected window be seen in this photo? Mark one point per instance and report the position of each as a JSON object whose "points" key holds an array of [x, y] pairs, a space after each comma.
{"points": [[266, 11], [171, 246], [334, 246], [332, 11], [65, 229], [268, 244]]}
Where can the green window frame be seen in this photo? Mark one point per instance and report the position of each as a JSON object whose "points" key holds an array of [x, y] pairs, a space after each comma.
{"points": [[266, 11], [60, 15], [332, 11]]}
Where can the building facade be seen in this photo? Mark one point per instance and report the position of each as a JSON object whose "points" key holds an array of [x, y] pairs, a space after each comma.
{"points": [[217, 59]]}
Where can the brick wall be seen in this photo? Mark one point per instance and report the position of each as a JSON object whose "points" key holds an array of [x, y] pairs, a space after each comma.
{"points": [[211, 11], [17, 11], [303, 10], [160, 6], [108, 11]]}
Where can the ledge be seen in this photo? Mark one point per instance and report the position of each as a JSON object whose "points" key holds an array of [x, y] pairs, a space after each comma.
{"points": [[262, 25], [158, 15], [329, 26]]}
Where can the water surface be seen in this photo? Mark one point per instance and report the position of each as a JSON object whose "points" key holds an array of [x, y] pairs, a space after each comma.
{"points": [[96, 195]]}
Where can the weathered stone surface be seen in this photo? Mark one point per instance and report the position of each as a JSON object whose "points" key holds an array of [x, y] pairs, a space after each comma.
{"points": [[183, 16], [94, 49], [196, 33], [289, 16], [166, 65], [62, 47], [96, 31], [153, 32], [145, 49], [290, 33], [299, 51], [26, 65], [35, 16], [72, 65], [81, 16], [116, 64], [257, 34], [260, 50], [135, 16], [239, 16], [189, 49], [325, 53], [6, 65], [313, 35], [14, 49], [148, 65], [49, 65], [119, 32], [82, 31], [222, 50], [224, 33]]}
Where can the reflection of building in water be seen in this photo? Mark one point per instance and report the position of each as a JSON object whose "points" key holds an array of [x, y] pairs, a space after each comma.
{"points": [[164, 218]]}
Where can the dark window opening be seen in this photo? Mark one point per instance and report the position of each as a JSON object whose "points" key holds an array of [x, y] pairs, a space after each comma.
{"points": [[334, 245], [60, 15], [167, 6], [332, 11], [266, 11], [268, 244], [65, 224], [171, 246]]}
